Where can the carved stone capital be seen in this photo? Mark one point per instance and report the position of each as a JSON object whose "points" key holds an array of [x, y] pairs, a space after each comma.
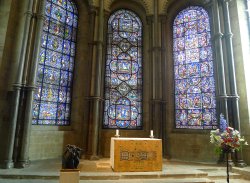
{"points": [[93, 10]]}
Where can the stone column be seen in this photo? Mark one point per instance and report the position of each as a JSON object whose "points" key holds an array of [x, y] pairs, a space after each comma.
{"points": [[150, 25], [91, 31], [165, 133], [23, 157], [219, 63], [156, 74], [17, 87], [231, 73], [95, 97]]}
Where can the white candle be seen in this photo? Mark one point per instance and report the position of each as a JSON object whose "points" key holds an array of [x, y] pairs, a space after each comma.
{"points": [[151, 133], [117, 132]]}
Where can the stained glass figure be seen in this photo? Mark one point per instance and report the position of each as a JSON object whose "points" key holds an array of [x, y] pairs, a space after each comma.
{"points": [[123, 75], [55, 70], [195, 104]]}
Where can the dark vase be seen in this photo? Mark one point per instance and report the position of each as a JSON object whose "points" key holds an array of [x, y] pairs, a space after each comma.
{"points": [[71, 157]]}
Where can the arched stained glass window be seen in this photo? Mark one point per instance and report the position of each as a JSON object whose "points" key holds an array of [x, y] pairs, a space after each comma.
{"points": [[55, 70], [195, 104], [123, 75]]}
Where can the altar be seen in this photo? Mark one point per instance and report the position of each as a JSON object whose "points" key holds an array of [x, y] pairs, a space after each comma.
{"points": [[136, 154]]}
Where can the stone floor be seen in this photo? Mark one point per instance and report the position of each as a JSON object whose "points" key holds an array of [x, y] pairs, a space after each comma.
{"points": [[47, 171]]}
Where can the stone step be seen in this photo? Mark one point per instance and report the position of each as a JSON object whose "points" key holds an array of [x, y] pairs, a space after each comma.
{"points": [[220, 173], [108, 175], [187, 180], [245, 172], [167, 180]]}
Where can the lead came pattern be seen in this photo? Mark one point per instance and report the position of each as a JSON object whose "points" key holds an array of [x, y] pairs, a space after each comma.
{"points": [[55, 70], [195, 104], [123, 78]]}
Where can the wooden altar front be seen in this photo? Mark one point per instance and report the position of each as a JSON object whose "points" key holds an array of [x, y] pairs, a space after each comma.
{"points": [[136, 154]]}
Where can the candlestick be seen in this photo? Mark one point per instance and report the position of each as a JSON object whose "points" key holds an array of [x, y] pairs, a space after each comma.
{"points": [[117, 133], [151, 134]]}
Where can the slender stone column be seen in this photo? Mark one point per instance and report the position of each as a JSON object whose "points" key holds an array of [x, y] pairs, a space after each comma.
{"points": [[150, 25], [219, 61], [163, 70], [232, 78], [96, 83], [17, 86], [156, 77], [92, 18], [23, 158]]}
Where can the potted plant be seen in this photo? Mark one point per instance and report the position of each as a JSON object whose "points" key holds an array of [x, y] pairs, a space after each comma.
{"points": [[226, 140]]}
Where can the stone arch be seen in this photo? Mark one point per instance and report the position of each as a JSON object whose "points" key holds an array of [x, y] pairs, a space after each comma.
{"points": [[145, 4]]}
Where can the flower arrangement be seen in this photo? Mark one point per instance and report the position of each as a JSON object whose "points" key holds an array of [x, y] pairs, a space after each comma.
{"points": [[226, 138]]}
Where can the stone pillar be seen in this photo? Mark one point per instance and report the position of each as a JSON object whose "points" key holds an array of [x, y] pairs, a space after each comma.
{"points": [[91, 31], [95, 97], [165, 133], [221, 92], [231, 73], [17, 87], [156, 74], [23, 156], [219, 63], [150, 25]]}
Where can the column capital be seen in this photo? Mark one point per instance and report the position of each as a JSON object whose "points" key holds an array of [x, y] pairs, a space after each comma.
{"points": [[92, 10]]}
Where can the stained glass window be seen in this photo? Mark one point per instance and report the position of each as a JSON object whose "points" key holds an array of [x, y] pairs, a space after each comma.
{"points": [[123, 76], [55, 70], [195, 104]]}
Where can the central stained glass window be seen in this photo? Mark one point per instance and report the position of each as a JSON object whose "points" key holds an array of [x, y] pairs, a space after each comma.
{"points": [[195, 103], [123, 76], [55, 70]]}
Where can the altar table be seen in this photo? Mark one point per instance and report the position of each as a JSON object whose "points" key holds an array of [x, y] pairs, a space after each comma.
{"points": [[136, 154]]}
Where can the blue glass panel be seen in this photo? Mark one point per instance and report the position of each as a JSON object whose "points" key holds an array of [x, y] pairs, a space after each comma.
{"points": [[49, 93], [46, 24], [58, 13], [42, 56], [53, 59], [195, 104], [68, 32], [51, 75], [123, 83], [56, 28], [54, 76]]}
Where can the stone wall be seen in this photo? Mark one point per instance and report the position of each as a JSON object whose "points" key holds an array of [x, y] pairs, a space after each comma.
{"points": [[241, 44], [4, 17]]}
